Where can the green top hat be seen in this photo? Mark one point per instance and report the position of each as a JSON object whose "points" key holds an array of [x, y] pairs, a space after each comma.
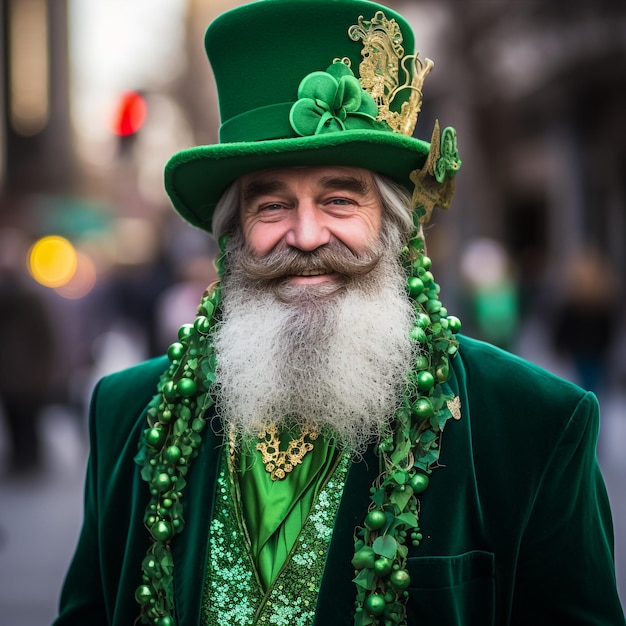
{"points": [[286, 73]]}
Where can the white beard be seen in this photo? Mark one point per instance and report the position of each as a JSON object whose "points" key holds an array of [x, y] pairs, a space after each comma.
{"points": [[330, 363]]}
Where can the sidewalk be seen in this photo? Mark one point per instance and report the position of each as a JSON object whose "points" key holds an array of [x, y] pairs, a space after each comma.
{"points": [[40, 518]]}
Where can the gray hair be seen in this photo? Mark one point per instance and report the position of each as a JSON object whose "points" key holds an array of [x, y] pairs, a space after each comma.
{"points": [[395, 198]]}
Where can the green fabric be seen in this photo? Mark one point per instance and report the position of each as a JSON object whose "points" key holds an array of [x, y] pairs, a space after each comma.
{"points": [[260, 54], [275, 510], [254, 125], [516, 522]]}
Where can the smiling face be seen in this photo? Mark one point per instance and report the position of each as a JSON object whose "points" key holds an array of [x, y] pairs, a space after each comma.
{"points": [[307, 209]]}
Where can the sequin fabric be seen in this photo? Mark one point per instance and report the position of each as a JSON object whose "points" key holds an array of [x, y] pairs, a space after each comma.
{"points": [[233, 595]]}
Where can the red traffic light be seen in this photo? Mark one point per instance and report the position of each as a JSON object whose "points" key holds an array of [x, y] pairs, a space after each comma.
{"points": [[130, 114]]}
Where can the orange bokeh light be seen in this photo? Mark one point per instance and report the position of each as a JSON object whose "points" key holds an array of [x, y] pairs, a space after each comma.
{"points": [[52, 261]]}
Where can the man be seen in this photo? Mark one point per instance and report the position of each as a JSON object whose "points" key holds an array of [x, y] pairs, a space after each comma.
{"points": [[290, 468]]}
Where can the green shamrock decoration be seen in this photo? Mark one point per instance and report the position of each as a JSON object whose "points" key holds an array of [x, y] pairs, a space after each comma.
{"points": [[333, 101]]}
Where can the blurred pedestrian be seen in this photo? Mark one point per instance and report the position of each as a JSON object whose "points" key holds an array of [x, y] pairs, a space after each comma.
{"points": [[27, 355], [492, 292], [586, 318]]}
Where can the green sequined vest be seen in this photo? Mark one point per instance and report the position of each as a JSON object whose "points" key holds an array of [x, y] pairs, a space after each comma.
{"points": [[233, 595]]}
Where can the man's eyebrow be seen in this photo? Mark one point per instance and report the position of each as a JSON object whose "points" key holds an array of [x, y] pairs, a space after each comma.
{"points": [[257, 188], [345, 183]]}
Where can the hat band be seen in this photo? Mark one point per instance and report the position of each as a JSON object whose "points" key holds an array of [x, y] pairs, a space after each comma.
{"points": [[268, 122]]}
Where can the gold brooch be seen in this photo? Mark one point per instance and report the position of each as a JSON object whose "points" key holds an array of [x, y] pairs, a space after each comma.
{"points": [[280, 462]]}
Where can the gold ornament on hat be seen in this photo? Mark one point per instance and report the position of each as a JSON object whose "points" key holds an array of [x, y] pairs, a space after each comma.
{"points": [[434, 183], [385, 71]]}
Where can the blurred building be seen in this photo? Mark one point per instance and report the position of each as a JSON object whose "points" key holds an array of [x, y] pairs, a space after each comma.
{"points": [[36, 140]]}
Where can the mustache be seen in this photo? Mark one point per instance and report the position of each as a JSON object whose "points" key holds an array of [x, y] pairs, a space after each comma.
{"points": [[333, 257]]}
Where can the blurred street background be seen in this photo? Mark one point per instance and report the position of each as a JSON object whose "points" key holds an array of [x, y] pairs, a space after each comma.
{"points": [[97, 272]]}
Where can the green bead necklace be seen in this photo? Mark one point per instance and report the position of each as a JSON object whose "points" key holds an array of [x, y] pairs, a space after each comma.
{"points": [[407, 452]]}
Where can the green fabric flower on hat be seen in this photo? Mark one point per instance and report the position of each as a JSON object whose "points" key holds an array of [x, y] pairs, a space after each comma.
{"points": [[333, 101], [449, 162]]}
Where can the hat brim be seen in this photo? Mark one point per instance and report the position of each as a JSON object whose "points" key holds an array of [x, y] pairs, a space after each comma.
{"points": [[196, 178]]}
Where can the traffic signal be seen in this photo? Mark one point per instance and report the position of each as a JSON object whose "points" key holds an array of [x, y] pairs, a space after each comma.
{"points": [[130, 115]]}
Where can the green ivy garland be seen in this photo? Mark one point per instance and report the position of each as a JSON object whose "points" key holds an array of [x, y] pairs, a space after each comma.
{"points": [[407, 452]]}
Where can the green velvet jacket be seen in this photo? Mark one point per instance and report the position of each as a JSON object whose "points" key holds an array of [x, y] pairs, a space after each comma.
{"points": [[517, 527]]}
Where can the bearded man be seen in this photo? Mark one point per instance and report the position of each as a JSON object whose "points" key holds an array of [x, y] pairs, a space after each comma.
{"points": [[290, 467], [316, 321]]}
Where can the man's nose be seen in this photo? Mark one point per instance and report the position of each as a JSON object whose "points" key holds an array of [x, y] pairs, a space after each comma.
{"points": [[308, 230]]}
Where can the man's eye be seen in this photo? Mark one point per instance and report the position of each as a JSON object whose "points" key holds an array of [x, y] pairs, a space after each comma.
{"points": [[341, 201], [271, 207]]}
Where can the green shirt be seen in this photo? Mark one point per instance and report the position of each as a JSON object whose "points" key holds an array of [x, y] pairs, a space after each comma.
{"points": [[274, 511]]}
